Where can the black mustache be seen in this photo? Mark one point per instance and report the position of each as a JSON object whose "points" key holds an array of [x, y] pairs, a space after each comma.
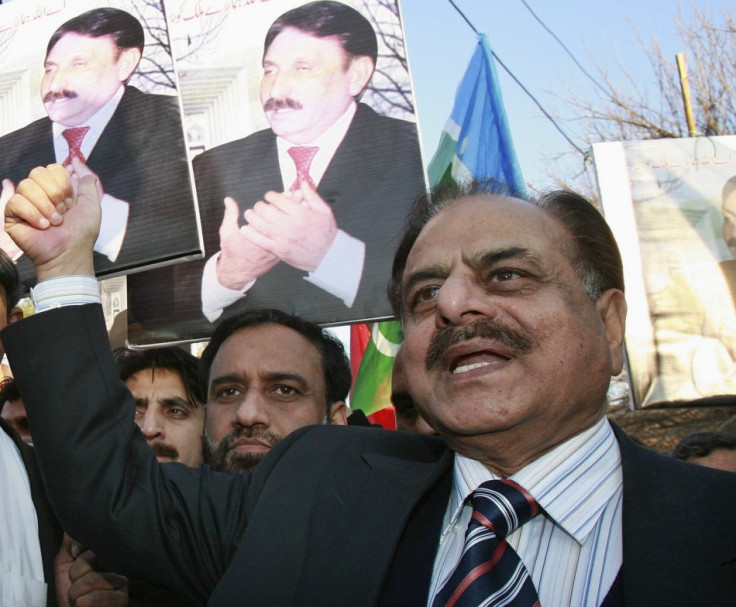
{"points": [[251, 432], [487, 328], [164, 450], [281, 104], [55, 95]]}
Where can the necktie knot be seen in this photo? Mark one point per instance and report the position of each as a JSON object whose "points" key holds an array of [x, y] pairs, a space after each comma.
{"points": [[302, 155], [502, 506], [74, 137]]}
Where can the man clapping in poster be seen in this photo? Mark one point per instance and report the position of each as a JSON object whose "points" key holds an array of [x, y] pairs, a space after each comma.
{"points": [[322, 192]]}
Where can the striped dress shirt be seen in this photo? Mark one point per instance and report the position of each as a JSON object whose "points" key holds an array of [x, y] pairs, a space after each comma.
{"points": [[573, 549]]}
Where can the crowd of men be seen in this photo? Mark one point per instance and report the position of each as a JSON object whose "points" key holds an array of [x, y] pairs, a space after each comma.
{"points": [[513, 313], [156, 478]]}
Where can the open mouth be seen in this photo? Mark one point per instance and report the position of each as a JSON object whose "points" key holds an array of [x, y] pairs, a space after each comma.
{"points": [[476, 360]]}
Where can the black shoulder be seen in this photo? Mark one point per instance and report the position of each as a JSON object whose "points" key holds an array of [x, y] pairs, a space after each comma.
{"points": [[239, 148]]}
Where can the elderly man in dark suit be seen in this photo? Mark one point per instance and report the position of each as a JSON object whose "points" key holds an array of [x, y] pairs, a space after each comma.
{"points": [[513, 312], [131, 141], [324, 191]]}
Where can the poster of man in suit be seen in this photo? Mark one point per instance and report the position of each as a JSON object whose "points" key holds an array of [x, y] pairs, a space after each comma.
{"points": [[304, 118], [670, 202], [93, 88]]}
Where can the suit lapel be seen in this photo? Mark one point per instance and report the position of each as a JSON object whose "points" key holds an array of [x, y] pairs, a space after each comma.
{"points": [[410, 576], [317, 533]]}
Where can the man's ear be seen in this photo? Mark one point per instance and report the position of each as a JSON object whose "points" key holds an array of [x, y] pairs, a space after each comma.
{"points": [[611, 306], [15, 313], [360, 71], [128, 62], [339, 413]]}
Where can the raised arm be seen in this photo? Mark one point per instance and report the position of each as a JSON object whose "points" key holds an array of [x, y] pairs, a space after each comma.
{"points": [[159, 522]]}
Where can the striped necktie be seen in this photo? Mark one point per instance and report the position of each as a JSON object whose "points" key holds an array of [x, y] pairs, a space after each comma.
{"points": [[302, 155], [490, 573], [74, 138]]}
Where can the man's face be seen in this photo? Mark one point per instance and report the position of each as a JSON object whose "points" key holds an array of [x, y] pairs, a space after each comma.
{"points": [[14, 412], [171, 424], [307, 84], [81, 74], [505, 353], [265, 382], [729, 222]]}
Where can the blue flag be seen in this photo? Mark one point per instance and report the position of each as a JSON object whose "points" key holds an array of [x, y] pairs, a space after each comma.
{"points": [[476, 140]]}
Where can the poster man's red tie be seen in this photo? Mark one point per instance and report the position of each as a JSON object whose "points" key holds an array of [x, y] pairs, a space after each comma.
{"points": [[74, 138], [302, 155], [490, 572]]}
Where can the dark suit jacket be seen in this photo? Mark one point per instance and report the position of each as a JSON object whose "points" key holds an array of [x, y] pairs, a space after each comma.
{"points": [[49, 531], [374, 175], [140, 158], [332, 516]]}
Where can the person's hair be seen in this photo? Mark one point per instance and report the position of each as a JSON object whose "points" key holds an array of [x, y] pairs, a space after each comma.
{"points": [[10, 281], [186, 365], [335, 363], [728, 188], [8, 391], [326, 18], [593, 251], [125, 29], [701, 444]]}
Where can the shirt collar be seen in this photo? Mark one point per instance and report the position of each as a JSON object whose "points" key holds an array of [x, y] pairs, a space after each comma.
{"points": [[573, 483]]}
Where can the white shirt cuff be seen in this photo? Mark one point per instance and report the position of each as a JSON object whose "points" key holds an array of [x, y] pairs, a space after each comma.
{"points": [[215, 297], [113, 227], [341, 269], [65, 291]]}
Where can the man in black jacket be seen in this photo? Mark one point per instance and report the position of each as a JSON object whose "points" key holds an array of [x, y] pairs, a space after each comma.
{"points": [[513, 313]]}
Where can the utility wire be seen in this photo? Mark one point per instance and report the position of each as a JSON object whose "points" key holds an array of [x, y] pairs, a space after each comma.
{"points": [[564, 47], [539, 105], [472, 27], [523, 88]]}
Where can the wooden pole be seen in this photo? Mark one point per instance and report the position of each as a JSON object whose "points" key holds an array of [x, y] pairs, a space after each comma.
{"points": [[685, 86]]}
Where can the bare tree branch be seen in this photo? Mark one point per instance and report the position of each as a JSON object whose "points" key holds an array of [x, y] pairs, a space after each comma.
{"points": [[630, 109]]}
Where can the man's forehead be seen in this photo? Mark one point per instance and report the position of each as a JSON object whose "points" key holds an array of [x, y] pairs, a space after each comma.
{"points": [[156, 375], [267, 342], [297, 41], [482, 217], [80, 42]]}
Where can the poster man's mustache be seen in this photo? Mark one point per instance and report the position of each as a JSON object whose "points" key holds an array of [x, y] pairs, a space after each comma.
{"points": [[56, 95], [281, 104]]}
